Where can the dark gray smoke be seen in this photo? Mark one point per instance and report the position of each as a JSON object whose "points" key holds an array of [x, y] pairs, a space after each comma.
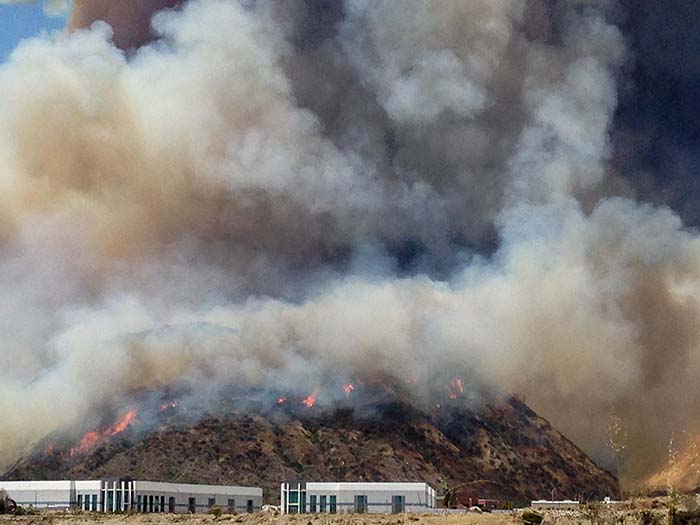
{"points": [[295, 193]]}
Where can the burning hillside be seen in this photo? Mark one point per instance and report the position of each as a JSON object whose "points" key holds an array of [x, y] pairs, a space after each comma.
{"points": [[516, 454], [92, 438]]}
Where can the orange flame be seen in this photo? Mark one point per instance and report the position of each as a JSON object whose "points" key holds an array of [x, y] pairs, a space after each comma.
{"points": [[348, 388], [167, 406], [310, 401], [455, 388], [93, 437], [88, 441], [123, 423]]}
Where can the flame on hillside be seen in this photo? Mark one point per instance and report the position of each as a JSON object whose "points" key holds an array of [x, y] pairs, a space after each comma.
{"points": [[93, 437], [310, 400], [455, 388]]}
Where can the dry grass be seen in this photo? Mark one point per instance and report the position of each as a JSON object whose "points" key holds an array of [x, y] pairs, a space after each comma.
{"points": [[256, 519], [639, 511], [626, 516]]}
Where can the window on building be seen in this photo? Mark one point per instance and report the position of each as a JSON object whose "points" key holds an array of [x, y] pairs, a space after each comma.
{"points": [[171, 505], [86, 500], [119, 501], [94, 502], [312, 504], [80, 501], [361, 504], [150, 503], [162, 503], [231, 506], [333, 504], [250, 507], [293, 506], [398, 504], [156, 504], [110, 501], [192, 505], [322, 504], [211, 502], [138, 503], [302, 502]]}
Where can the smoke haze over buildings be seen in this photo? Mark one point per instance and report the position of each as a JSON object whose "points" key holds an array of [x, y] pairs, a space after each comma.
{"points": [[294, 193]]}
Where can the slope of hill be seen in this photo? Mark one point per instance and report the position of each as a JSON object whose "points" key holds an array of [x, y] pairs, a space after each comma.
{"points": [[682, 474], [518, 454]]}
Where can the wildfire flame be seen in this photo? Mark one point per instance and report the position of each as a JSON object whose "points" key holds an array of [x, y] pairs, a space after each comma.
{"points": [[348, 388], [93, 437], [87, 442], [167, 406], [123, 423], [310, 401], [455, 388]]}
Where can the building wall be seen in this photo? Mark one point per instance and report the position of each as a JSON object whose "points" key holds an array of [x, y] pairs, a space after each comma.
{"points": [[555, 505], [41, 494], [89, 495], [135, 496], [379, 497], [245, 499]]}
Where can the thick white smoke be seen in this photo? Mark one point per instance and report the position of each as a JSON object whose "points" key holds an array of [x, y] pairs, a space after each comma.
{"points": [[230, 205]]}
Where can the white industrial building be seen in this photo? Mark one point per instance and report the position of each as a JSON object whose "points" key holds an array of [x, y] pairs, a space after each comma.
{"points": [[121, 495], [331, 498], [566, 504]]}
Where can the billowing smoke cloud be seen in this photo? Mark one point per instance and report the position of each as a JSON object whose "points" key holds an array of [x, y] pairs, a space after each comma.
{"points": [[290, 193]]}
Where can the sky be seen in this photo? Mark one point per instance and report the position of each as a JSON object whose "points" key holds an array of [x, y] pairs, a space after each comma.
{"points": [[20, 21]]}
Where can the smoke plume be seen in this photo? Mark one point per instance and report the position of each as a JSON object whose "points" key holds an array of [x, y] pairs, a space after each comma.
{"points": [[290, 193]]}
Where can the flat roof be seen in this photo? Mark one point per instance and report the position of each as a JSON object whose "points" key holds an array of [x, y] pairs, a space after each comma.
{"points": [[197, 488], [34, 485], [139, 485], [544, 501], [362, 485]]}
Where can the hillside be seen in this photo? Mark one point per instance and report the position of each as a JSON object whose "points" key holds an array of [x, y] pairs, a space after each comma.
{"points": [[519, 453], [682, 474]]}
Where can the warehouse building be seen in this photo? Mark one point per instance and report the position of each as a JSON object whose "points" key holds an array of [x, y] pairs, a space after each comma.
{"points": [[566, 504], [121, 495], [330, 498]]}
